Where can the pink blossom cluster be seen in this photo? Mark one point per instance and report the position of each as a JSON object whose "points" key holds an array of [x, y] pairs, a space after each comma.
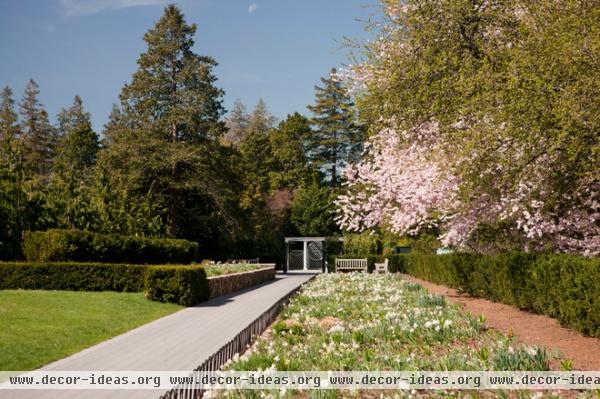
{"points": [[398, 184]]}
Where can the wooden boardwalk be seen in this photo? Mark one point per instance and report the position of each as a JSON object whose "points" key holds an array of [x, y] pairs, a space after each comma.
{"points": [[180, 341]]}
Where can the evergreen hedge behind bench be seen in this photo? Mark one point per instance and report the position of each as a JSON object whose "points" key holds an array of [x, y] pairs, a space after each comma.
{"points": [[82, 246], [565, 287]]}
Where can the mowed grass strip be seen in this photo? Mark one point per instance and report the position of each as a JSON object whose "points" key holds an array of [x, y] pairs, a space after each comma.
{"points": [[38, 327]]}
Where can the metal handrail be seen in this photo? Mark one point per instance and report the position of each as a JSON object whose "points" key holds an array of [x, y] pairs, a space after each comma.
{"points": [[238, 345]]}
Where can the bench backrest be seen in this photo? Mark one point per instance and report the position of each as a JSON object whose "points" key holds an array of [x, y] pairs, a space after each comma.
{"points": [[350, 264]]}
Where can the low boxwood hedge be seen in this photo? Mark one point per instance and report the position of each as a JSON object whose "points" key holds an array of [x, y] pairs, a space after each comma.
{"points": [[562, 286], [82, 246], [72, 276], [185, 285]]}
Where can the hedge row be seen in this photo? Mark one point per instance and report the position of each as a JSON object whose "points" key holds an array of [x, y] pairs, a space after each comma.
{"points": [[565, 287], [185, 285], [72, 276], [81, 246]]}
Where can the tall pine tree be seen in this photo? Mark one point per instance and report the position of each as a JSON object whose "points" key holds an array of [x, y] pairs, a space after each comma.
{"points": [[9, 128], [39, 137], [70, 188], [288, 142], [337, 137], [237, 124], [12, 176], [166, 138]]}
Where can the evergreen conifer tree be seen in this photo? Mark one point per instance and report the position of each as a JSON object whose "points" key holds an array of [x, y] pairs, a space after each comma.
{"points": [[39, 137], [165, 136], [337, 137]]}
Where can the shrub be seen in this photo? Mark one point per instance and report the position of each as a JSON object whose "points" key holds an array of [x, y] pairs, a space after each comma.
{"points": [[72, 276], [360, 244], [82, 246], [562, 286], [185, 285]]}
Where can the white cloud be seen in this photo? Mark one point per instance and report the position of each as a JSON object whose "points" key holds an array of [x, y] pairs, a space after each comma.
{"points": [[74, 8], [252, 8]]}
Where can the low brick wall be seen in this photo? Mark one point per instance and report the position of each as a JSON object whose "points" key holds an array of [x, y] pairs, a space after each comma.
{"points": [[230, 283]]}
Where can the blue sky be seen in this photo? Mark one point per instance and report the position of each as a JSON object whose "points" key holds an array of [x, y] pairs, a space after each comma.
{"points": [[274, 49]]}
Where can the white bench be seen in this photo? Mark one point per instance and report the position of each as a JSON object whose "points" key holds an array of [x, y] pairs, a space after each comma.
{"points": [[382, 267], [350, 265]]}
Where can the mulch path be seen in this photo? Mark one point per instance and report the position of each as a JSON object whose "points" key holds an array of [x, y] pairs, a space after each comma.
{"points": [[528, 328]]}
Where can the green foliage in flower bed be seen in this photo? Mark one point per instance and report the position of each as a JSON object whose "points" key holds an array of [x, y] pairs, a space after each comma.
{"points": [[220, 270], [356, 321], [83, 246]]}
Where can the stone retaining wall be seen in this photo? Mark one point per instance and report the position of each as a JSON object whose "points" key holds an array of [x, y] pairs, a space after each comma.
{"points": [[230, 283]]}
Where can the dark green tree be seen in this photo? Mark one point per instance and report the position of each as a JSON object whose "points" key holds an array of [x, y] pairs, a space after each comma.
{"points": [[166, 136], [12, 196], [313, 210], [9, 128], [39, 137], [288, 144], [337, 138], [73, 117], [256, 157], [71, 188]]}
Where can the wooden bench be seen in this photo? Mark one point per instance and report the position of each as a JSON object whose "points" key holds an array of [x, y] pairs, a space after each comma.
{"points": [[350, 265], [249, 261], [381, 267]]}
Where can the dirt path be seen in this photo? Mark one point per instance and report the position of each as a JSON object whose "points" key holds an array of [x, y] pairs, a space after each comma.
{"points": [[529, 328]]}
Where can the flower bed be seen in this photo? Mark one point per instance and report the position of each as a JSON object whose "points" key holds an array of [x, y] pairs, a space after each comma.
{"points": [[373, 322], [230, 268]]}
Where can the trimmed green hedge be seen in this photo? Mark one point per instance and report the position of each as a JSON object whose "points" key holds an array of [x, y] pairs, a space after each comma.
{"points": [[73, 276], [182, 284], [565, 287], [562, 286], [185, 285], [82, 246]]}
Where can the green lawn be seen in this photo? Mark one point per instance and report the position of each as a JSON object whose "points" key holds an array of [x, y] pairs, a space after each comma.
{"points": [[37, 327]]}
